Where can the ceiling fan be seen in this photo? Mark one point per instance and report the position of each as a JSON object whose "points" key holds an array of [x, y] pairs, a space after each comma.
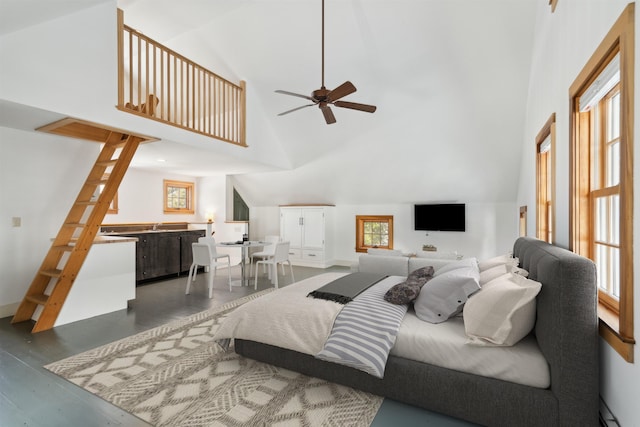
{"points": [[324, 97]]}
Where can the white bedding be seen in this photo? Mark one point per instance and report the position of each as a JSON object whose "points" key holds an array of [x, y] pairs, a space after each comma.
{"points": [[287, 318], [444, 345]]}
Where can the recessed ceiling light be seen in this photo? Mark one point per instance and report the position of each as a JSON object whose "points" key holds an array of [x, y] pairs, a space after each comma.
{"points": [[161, 160]]}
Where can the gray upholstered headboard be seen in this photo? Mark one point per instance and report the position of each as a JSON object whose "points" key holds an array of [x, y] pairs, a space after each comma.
{"points": [[566, 325]]}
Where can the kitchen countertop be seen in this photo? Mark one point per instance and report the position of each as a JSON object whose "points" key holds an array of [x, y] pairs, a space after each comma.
{"points": [[102, 239], [127, 233]]}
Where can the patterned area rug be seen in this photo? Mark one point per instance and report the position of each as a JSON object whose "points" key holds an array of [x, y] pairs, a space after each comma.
{"points": [[175, 375]]}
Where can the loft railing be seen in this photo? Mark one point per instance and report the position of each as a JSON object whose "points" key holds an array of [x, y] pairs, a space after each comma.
{"points": [[158, 83]]}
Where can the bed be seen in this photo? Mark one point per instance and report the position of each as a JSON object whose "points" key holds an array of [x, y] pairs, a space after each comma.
{"points": [[565, 338]]}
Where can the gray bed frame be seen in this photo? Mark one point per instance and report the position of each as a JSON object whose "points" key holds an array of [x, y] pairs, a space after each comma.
{"points": [[567, 333]]}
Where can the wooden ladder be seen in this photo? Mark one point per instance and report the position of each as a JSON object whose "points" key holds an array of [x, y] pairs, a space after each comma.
{"points": [[61, 265]]}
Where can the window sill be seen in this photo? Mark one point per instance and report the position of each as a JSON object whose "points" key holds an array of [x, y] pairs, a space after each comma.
{"points": [[609, 327]]}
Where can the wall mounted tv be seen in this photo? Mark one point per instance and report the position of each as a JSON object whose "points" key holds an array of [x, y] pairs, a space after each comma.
{"points": [[440, 217]]}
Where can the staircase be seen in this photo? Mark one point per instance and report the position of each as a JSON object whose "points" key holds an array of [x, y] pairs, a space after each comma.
{"points": [[61, 265]]}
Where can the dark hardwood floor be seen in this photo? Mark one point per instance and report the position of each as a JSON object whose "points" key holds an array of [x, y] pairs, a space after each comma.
{"points": [[32, 396]]}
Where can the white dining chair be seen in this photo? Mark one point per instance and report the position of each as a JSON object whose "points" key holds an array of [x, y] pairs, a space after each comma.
{"points": [[211, 241], [280, 256], [203, 255], [266, 252]]}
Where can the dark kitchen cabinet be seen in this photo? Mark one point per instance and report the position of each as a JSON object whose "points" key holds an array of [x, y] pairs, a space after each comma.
{"points": [[160, 254], [186, 255]]}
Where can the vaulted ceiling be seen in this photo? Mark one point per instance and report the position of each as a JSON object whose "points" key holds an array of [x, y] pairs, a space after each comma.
{"points": [[449, 78]]}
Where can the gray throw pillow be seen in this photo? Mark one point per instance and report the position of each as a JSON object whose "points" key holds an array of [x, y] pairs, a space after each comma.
{"points": [[407, 291]]}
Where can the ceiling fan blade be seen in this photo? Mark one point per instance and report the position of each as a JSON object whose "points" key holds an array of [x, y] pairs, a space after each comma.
{"points": [[296, 109], [355, 106], [328, 114], [344, 89], [294, 94]]}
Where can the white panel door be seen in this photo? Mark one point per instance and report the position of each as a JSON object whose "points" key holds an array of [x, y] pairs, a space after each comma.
{"points": [[313, 235], [291, 226]]}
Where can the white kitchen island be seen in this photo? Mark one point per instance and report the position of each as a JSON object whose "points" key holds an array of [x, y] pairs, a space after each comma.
{"points": [[105, 283]]}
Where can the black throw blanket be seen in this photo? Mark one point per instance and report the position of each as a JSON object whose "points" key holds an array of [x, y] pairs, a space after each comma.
{"points": [[345, 289]]}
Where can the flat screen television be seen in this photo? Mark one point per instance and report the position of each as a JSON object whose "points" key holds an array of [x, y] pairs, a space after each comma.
{"points": [[440, 217]]}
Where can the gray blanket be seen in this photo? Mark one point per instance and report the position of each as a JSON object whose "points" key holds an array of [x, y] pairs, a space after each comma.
{"points": [[345, 289]]}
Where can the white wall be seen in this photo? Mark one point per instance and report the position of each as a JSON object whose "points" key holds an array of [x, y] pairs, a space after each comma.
{"points": [[140, 199], [65, 64], [40, 176], [565, 40], [491, 229], [487, 233], [68, 65]]}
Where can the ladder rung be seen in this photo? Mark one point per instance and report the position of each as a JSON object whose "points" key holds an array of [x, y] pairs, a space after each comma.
{"points": [[75, 224], [96, 182], [40, 299], [52, 273], [107, 162], [118, 144], [63, 268]]}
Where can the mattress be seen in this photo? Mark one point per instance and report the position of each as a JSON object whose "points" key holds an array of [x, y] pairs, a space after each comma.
{"points": [[445, 345], [287, 318]]}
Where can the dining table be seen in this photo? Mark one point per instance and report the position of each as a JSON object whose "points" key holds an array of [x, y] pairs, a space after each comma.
{"points": [[244, 246]]}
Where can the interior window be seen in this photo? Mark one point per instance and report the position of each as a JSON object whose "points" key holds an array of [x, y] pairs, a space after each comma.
{"points": [[240, 208], [374, 231], [178, 197], [601, 178]]}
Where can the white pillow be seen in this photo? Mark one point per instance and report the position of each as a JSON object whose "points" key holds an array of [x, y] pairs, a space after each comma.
{"points": [[443, 296], [501, 259], [503, 312], [463, 263], [488, 275]]}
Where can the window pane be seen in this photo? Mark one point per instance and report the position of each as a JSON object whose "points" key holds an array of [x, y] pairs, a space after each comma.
{"points": [[601, 219], [606, 246], [615, 273], [601, 267], [614, 119], [615, 219], [613, 164], [176, 198], [376, 233], [595, 147]]}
